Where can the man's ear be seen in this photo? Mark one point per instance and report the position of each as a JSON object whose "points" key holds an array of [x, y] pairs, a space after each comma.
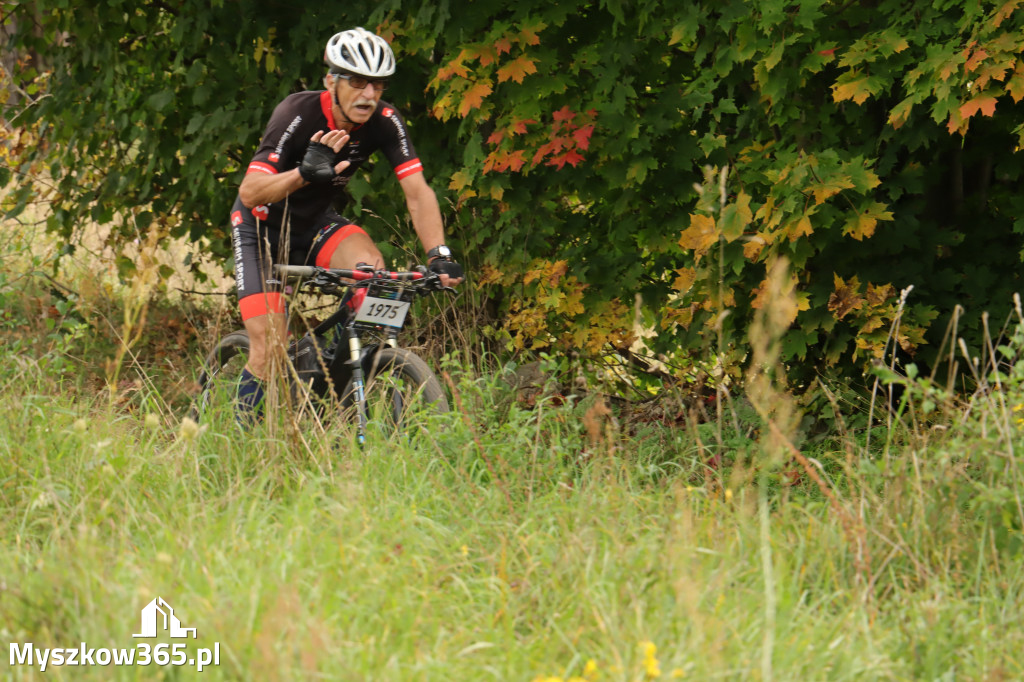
{"points": [[330, 80]]}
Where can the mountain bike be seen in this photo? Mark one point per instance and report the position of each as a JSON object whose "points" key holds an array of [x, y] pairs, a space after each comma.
{"points": [[350, 364]]}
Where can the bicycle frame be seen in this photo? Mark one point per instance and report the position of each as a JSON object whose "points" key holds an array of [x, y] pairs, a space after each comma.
{"points": [[359, 363]]}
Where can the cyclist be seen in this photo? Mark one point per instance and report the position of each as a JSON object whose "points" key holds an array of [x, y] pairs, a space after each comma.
{"points": [[312, 145]]}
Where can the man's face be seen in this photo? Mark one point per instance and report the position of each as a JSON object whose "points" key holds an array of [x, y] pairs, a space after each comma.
{"points": [[357, 105]]}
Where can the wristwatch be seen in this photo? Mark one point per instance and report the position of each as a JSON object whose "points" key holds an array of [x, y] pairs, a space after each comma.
{"points": [[440, 251]]}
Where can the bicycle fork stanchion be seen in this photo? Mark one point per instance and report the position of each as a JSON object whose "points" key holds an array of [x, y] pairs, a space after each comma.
{"points": [[355, 348]]}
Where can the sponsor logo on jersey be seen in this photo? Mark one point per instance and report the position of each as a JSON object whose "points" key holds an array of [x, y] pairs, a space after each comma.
{"points": [[236, 218], [387, 111], [261, 212], [274, 156], [287, 134]]}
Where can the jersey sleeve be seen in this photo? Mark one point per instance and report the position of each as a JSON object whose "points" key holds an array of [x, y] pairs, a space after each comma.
{"points": [[278, 150], [396, 144]]}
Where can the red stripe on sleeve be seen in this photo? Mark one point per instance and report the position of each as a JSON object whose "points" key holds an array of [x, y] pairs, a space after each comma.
{"points": [[260, 167], [408, 168]]}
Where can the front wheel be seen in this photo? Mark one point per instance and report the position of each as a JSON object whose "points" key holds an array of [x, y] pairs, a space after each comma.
{"points": [[399, 384]]}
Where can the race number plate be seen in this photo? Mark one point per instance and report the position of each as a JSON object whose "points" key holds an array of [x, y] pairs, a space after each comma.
{"points": [[383, 312]]}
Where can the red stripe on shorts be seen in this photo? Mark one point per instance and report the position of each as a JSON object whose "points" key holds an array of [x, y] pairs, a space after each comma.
{"points": [[262, 303], [323, 257]]}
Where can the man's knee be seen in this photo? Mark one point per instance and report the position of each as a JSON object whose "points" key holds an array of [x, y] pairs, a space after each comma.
{"points": [[357, 249], [369, 256]]}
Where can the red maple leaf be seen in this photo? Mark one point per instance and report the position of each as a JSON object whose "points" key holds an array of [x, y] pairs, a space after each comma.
{"points": [[582, 136], [571, 157], [976, 59], [519, 127], [564, 114], [553, 147], [985, 104]]}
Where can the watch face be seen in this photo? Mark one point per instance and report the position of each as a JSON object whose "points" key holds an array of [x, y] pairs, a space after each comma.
{"points": [[444, 252]]}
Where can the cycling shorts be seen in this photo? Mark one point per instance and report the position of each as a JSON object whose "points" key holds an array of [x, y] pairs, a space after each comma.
{"points": [[258, 246]]}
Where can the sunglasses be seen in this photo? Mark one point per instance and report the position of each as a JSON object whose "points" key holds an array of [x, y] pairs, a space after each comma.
{"points": [[360, 83]]}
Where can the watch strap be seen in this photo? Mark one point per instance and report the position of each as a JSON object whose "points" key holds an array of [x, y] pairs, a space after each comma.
{"points": [[436, 253]]}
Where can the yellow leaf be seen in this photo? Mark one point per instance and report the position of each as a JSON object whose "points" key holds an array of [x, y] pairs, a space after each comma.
{"points": [[833, 186], [800, 228], [880, 294], [460, 179], [678, 31], [517, 70], [474, 97], [857, 89], [555, 271], [490, 275], [752, 248], [685, 280], [862, 226], [700, 235]]}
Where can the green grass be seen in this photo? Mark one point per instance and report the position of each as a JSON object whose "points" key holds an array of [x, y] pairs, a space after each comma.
{"points": [[505, 541], [499, 544]]}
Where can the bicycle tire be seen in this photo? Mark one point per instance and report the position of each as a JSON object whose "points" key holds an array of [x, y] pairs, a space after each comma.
{"points": [[399, 382], [221, 371]]}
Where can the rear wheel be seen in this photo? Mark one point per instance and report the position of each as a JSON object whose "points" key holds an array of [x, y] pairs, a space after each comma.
{"points": [[218, 383]]}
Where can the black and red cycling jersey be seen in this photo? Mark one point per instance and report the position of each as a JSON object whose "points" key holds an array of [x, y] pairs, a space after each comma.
{"points": [[294, 122]]}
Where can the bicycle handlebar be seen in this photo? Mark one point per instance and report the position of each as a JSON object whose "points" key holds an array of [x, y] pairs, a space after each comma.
{"points": [[358, 275]]}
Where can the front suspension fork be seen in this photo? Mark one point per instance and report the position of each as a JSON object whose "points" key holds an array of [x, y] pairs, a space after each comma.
{"points": [[355, 349]]}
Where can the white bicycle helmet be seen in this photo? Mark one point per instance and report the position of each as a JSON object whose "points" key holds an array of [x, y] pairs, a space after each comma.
{"points": [[361, 53]]}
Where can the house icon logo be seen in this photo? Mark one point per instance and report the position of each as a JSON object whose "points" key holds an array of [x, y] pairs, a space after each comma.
{"points": [[151, 620]]}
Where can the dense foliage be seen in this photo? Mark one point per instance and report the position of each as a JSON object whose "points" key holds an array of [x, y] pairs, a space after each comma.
{"points": [[595, 152]]}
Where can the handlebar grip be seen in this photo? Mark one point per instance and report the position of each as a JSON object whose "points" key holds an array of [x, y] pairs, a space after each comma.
{"points": [[295, 270]]}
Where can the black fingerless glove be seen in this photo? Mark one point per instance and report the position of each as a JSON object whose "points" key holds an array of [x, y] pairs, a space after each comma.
{"points": [[318, 164], [446, 267]]}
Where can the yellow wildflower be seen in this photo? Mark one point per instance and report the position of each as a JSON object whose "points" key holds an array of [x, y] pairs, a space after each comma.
{"points": [[652, 669]]}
